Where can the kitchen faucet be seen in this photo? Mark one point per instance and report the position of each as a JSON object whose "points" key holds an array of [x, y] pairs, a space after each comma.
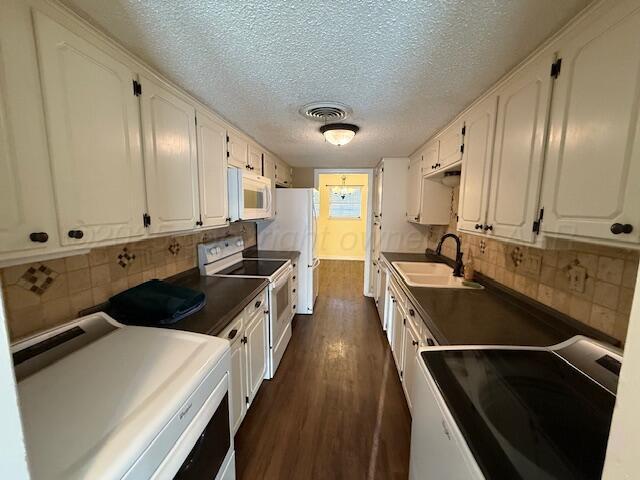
{"points": [[457, 267]]}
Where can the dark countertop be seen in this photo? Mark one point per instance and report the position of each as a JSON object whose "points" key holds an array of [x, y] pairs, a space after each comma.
{"points": [[495, 315], [226, 298], [273, 254]]}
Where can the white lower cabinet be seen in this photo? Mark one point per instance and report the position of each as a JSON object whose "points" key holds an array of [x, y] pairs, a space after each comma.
{"points": [[397, 329], [410, 347], [170, 158], [93, 128], [248, 336]]}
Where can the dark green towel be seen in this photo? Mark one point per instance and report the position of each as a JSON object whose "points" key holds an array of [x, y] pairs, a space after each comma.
{"points": [[157, 302]]}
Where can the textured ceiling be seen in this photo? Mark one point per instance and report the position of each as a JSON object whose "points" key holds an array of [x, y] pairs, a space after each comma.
{"points": [[405, 67]]}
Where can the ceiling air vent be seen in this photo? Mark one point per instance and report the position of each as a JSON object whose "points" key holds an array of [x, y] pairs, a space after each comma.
{"points": [[325, 111]]}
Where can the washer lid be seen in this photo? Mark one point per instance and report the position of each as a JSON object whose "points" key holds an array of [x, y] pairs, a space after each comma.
{"points": [[94, 412]]}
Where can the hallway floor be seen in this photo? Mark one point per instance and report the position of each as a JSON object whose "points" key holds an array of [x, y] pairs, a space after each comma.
{"points": [[336, 408]]}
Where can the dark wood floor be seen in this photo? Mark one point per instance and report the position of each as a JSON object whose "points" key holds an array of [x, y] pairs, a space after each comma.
{"points": [[335, 409]]}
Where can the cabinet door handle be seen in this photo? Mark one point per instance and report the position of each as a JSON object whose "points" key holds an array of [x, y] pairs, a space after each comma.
{"points": [[294, 277], [258, 303], [415, 343], [198, 223], [618, 228], [488, 227], [412, 312], [430, 342], [294, 290], [39, 237], [232, 334], [77, 234], [479, 226]]}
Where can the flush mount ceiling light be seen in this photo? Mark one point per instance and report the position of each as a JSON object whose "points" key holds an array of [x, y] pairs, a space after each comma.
{"points": [[339, 133]]}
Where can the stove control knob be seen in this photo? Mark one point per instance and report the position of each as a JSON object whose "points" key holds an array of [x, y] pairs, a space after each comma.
{"points": [[238, 243], [218, 250]]}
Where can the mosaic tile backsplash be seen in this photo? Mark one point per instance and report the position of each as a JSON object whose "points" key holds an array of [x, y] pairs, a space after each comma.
{"points": [[602, 300], [44, 294]]}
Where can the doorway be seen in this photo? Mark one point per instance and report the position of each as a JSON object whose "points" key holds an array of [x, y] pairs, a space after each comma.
{"points": [[344, 228]]}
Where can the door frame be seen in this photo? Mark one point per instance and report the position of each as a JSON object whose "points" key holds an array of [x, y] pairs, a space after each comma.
{"points": [[368, 221]]}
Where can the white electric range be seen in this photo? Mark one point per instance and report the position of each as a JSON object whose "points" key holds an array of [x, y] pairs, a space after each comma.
{"points": [[223, 258]]}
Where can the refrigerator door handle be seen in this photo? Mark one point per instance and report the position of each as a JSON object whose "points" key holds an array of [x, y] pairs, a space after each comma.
{"points": [[316, 262]]}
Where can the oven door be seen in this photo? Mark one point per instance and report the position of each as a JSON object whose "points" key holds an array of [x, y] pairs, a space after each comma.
{"points": [[255, 197], [281, 307]]}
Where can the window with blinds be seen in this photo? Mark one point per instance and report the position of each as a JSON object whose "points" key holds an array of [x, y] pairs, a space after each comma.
{"points": [[349, 207]]}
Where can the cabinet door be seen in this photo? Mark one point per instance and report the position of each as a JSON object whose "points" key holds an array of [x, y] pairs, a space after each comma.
{"points": [[410, 352], [269, 168], [593, 165], [518, 154], [255, 160], [450, 149], [398, 334], [414, 188], [93, 125], [237, 383], [256, 345], [238, 150], [212, 171], [378, 203], [170, 158], [476, 165], [26, 199]]}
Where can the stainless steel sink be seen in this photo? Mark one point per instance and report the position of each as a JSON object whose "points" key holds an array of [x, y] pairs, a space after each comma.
{"points": [[431, 275]]}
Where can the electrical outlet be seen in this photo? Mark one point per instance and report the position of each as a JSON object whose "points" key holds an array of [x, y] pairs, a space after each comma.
{"points": [[577, 276]]}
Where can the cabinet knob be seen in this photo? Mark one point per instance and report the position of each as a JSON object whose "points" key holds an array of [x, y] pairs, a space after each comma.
{"points": [[258, 303], [232, 334], [618, 228], [414, 343], [430, 342], [77, 234], [199, 223], [479, 226], [294, 277], [488, 227], [294, 290], [39, 237], [412, 312]]}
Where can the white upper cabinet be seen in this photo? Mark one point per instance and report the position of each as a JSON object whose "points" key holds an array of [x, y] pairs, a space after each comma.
{"points": [[27, 215], [170, 158], [518, 153], [93, 127], [414, 188], [269, 167], [254, 162], [212, 170], [476, 165], [284, 176], [450, 148], [238, 149], [592, 176]]}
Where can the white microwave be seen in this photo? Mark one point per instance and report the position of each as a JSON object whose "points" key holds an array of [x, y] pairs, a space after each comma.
{"points": [[250, 195]]}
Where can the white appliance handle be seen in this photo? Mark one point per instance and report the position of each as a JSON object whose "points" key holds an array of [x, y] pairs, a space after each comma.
{"points": [[316, 262], [282, 279]]}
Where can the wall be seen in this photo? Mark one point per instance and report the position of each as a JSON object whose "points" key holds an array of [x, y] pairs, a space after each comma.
{"points": [[604, 304], [303, 177], [42, 295], [341, 238]]}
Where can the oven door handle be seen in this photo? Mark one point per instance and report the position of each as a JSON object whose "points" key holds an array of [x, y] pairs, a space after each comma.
{"points": [[284, 278]]}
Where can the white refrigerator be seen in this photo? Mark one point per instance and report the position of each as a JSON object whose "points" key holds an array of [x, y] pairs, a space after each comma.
{"points": [[294, 228]]}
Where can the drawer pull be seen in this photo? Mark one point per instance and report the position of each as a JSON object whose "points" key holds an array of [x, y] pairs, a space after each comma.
{"points": [[258, 303], [39, 237], [412, 312], [430, 342], [415, 343], [618, 228], [294, 290], [77, 234], [232, 334]]}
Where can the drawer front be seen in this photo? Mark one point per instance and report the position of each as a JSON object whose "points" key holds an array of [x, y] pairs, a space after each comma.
{"points": [[414, 317], [234, 330], [259, 303]]}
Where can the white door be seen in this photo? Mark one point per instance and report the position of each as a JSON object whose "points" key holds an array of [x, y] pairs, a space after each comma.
{"points": [[518, 153], [256, 345], [414, 188], [476, 165], [170, 158], [593, 164], [93, 127], [212, 171], [27, 214], [450, 149], [238, 150], [410, 354], [255, 160], [237, 383]]}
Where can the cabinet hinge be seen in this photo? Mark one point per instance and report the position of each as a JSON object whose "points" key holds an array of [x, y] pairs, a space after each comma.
{"points": [[404, 321], [555, 68], [137, 88], [227, 153], [246, 399], [401, 373], [196, 119], [462, 148], [146, 220], [536, 223], [464, 130], [227, 138]]}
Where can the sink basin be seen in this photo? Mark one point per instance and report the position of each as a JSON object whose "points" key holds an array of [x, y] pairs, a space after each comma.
{"points": [[430, 275], [423, 268]]}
